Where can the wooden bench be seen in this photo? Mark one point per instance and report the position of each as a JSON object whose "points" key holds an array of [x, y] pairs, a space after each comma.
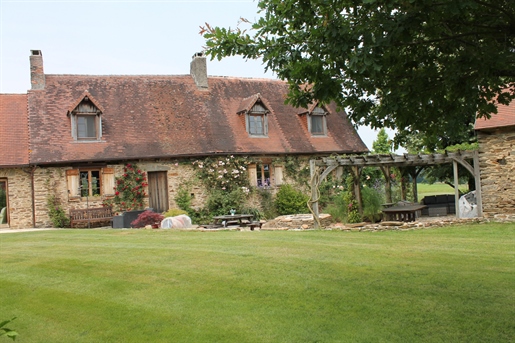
{"points": [[90, 215]]}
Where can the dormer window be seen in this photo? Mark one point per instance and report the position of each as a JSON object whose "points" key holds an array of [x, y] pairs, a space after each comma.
{"points": [[86, 120], [256, 110], [317, 124], [256, 121]]}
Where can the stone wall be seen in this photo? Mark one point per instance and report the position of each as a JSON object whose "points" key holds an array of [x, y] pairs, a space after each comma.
{"points": [[19, 196], [53, 181], [497, 165]]}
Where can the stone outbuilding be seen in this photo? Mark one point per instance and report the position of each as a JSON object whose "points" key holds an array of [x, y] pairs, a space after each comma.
{"points": [[496, 138]]}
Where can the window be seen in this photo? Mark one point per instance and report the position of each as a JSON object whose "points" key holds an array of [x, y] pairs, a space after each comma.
{"points": [[86, 121], [265, 175], [88, 182], [86, 127], [317, 122], [257, 121]]}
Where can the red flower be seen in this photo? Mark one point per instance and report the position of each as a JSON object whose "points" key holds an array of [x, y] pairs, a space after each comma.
{"points": [[116, 193]]}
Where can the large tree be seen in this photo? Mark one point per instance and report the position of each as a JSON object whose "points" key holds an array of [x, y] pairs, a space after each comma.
{"points": [[423, 66]]}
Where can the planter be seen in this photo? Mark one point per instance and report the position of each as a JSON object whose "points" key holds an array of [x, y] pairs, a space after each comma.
{"points": [[125, 219]]}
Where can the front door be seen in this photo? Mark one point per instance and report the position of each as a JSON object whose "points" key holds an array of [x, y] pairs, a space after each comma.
{"points": [[158, 191]]}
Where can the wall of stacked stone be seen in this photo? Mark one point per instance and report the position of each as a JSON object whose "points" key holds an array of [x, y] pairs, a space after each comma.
{"points": [[497, 165], [297, 222], [53, 181], [19, 196]]}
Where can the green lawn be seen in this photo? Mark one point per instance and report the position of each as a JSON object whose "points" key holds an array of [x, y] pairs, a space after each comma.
{"points": [[434, 285]]}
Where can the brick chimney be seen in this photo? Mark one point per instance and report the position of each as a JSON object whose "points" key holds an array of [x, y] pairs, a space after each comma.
{"points": [[198, 70], [37, 75]]}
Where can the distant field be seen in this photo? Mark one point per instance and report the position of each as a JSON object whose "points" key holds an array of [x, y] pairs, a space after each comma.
{"points": [[437, 188]]}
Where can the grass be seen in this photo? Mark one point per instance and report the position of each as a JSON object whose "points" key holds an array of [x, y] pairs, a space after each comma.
{"points": [[436, 285], [425, 189]]}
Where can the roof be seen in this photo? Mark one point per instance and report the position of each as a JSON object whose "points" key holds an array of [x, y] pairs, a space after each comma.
{"points": [[168, 116], [505, 117], [14, 142]]}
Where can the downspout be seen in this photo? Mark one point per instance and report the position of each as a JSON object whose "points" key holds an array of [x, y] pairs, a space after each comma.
{"points": [[33, 196], [32, 193]]}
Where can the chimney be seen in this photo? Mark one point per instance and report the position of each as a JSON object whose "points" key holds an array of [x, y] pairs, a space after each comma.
{"points": [[198, 70], [37, 75]]}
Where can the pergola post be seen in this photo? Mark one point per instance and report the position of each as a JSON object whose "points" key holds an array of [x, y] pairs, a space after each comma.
{"points": [[388, 184], [356, 177], [314, 192], [456, 189]]}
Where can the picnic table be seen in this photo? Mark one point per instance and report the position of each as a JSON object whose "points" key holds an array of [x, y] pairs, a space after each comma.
{"points": [[240, 219], [405, 213]]}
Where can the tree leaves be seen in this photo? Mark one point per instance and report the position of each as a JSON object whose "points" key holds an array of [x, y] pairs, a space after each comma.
{"points": [[415, 66]]}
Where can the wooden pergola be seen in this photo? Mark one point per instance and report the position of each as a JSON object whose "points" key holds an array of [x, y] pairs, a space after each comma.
{"points": [[408, 164]]}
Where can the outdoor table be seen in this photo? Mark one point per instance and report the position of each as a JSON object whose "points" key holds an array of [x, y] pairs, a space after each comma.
{"points": [[242, 219], [406, 213]]}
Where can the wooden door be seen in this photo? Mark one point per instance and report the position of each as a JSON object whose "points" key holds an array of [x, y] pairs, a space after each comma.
{"points": [[158, 191]]}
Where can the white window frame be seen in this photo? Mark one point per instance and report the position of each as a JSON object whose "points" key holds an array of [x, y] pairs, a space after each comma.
{"points": [[318, 112], [258, 110]]}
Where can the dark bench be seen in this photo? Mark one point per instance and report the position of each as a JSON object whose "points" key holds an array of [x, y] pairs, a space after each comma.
{"points": [[253, 225], [439, 205], [90, 215]]}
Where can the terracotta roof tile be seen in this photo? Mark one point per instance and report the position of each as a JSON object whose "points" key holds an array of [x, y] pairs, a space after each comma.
{"points": [[505, 117], [14, 134], [167, 116]]}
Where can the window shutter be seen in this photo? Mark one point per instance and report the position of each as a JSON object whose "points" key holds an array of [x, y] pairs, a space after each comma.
{"points": [[278, 173], [100, 127], [252, 175], [108, 181], [72, 178], [73, 119]]}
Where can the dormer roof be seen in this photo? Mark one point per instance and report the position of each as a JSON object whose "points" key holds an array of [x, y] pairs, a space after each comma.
{"points": [[310, 108], [85, 96], [248, 103]]}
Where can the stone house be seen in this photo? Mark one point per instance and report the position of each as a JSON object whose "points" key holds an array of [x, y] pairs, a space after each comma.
{"points": [[496, 138], [71, 135]]}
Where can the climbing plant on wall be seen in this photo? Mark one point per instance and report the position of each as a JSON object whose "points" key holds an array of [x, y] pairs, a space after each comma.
{"points": [[129, 189]]}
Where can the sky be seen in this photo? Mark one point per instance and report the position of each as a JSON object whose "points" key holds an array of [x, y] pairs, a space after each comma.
{"points": [[98, 37]]}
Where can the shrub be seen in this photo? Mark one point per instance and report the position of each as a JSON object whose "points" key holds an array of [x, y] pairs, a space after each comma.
{"points": [[174, 212], [337, 209], [56, 213], [220, 202], [148, 218], [290, 201], [183, 199], [3, 198], [372, 201]]}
